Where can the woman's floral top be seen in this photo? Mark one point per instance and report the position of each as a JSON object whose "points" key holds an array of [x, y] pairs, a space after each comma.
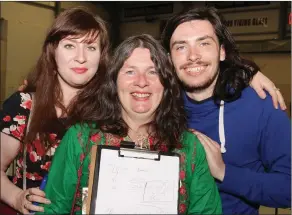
{"points": [[198, 193], [13, 121]]}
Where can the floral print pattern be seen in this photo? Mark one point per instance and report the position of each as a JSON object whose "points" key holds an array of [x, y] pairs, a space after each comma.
{"points": [[13, 122]]}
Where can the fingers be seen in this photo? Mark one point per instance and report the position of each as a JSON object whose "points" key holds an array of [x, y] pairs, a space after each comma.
{"points": [[38, 199], [31, 207], [36, 191], [260, 83], [206, 140], [37, 195], [281, 100], [25, 206], [31, 198], [273, 93], [204, 143], [213, 155], [260, 92], [25, 211], [28, 208], [277, 98], [214, 143]]}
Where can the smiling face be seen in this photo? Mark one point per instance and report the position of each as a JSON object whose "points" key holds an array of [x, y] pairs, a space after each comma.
{"points": [[77, 61], [139, 88], [196, 53]]}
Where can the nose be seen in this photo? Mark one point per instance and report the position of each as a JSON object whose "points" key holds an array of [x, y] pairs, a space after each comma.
{"points": [[141, 80], [194, 54], [80, 55]]}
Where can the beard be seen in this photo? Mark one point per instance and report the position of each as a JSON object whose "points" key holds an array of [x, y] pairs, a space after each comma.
{"points": [[199, 87]]}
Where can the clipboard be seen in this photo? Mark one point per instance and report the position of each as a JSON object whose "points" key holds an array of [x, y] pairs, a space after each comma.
{"points": [[132, 181]]}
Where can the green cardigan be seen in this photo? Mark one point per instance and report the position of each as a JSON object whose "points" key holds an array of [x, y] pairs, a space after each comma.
{"points": [[198, 192]]}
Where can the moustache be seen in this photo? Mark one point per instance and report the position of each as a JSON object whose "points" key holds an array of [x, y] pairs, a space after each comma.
{"points": [[199, 63]]}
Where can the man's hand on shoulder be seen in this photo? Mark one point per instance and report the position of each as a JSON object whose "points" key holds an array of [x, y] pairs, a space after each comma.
{"points": [[214, 156]]}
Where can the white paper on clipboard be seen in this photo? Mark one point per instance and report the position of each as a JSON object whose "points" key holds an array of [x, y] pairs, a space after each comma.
{"points": [[128, 185]]}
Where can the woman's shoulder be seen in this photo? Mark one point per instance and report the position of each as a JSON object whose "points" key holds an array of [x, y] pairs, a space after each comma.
{"points": [[190, 139], [85, 132], [18, 100], [189, 135], [83, 128], [15, 113]]}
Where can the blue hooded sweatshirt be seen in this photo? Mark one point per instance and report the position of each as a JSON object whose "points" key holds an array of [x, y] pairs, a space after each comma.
{"points": [[257, 140]]}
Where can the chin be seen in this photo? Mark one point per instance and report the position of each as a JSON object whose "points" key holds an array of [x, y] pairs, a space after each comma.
{"points": [[141, 111], [80, 83], [77, 85]]}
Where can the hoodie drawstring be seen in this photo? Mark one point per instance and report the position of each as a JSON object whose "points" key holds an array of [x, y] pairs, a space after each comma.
{"points": [[221, 127]]}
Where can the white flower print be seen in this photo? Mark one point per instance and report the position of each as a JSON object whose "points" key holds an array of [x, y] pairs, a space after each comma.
{"points": [[25, 101], [6, 131], [20, 119]]}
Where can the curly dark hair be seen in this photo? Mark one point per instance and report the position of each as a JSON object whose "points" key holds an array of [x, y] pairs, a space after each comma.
{"points": [[169, 121], [235, 72]]}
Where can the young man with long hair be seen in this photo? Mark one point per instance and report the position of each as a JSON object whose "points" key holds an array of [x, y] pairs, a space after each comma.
{"points": [[254, 138]]}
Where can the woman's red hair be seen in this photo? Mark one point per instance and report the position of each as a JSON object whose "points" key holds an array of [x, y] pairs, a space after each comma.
{"points": [[76, 22]]}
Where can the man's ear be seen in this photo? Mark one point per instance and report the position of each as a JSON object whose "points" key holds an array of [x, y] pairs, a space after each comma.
{"points": [[222, 53]]}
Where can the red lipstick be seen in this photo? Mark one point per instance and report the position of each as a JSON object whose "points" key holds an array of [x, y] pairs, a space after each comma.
{"points": [[79, 70]]}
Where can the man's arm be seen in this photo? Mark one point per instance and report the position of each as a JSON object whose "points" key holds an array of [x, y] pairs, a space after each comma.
{"points": [[260, 82], [273, 187]]}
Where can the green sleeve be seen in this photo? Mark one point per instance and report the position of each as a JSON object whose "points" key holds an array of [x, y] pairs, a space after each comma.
{"points": [[204, 196], [62, 178]]}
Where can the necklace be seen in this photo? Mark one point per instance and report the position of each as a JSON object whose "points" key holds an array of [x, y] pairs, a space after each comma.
{"points": [[142, 141]]}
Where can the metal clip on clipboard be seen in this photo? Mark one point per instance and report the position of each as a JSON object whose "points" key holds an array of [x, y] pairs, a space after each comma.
{"points": [[127, 149]]}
